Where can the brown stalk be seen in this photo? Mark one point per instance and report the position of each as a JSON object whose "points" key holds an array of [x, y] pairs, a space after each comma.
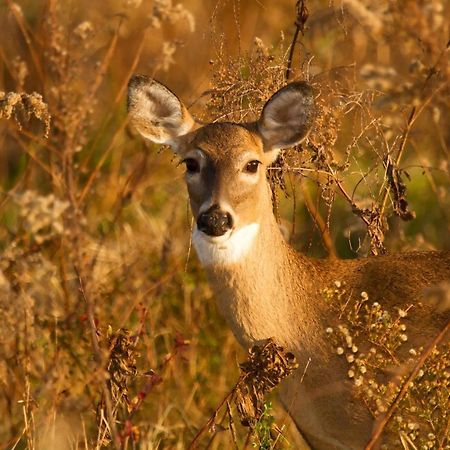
{"points": [[99, 358], [155, 289], [26, 35], [132, 68], [100, 163], [117, 99], [382, 424], [247, 439], [320, 223], [105, 62], [103, 67], [40, 140], [68, 162], [412, 117], [431, 181], [194, 444], [126, 192], [15, 188], [32, 156], [446, 433]]}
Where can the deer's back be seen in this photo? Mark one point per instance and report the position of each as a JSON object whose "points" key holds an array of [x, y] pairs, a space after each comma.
{"points": [[329, 403], [397, 277], [397, 281]]}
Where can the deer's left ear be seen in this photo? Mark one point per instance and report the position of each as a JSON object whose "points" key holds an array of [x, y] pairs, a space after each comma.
{"points": [[286, 117]]}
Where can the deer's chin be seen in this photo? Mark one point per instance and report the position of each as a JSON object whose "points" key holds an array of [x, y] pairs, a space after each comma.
{"points": [[227, 249], [217, 240]]}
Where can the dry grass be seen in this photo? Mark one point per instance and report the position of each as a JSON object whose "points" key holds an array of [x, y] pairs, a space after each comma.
{"points": [[110, 336]]}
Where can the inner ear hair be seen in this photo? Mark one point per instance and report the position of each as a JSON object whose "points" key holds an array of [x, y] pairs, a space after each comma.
{"points": [[287, 116], [156, 112]]}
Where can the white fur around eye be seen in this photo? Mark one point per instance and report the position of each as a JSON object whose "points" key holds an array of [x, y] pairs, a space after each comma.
{"points": [[250, 178], [227, 249]]}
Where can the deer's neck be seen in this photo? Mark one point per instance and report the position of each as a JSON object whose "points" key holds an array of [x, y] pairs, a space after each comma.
{"points": [[263, 288]]}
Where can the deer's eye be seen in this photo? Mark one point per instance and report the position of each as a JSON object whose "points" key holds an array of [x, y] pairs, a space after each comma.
{"points": [[192, 165], [252, 166]]}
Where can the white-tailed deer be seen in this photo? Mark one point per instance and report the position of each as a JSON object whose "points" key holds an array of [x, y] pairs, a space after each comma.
{"points": [[263, 287]]}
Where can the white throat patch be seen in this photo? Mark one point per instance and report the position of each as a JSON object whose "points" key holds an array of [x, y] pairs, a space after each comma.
{"points": [[224, 250]]}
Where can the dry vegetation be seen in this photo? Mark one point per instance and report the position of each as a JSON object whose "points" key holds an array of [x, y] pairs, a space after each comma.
{"points": [[109, 333]]}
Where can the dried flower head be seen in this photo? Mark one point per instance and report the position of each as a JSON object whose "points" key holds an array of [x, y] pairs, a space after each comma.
{"points": [[166, 11], [267, 366], [24, 106], [84, 30]]}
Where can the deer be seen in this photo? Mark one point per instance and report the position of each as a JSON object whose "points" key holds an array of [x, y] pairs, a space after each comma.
{"points": [[263, 287]]}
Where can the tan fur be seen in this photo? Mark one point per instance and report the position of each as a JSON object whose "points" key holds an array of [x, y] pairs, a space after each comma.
{"points": [[275, 292]]}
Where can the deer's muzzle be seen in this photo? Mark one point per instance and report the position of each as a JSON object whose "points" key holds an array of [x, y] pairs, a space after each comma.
{"points": [[214, 222]]}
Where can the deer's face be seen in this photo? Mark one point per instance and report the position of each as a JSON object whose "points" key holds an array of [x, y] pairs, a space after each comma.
{"points": [[225, 162], [225, 175]]}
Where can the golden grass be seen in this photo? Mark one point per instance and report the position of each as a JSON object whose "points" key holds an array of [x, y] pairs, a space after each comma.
{"points": [[110, 336]]}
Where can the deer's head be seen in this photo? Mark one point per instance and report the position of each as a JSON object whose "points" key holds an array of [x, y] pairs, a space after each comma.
{"points": [[225, 162]]}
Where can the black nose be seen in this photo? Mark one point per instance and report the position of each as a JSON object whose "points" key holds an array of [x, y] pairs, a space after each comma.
{"points": [[214, 222]]}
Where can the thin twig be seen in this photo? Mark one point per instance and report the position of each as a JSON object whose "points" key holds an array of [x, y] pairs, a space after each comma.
{"points": [[382, 424], [411, 120], [446, 435], [232, 427], [193, 445], [301, 18], [346, 195], [413, 116], [247, 439], [291, 53], [19, 18]]}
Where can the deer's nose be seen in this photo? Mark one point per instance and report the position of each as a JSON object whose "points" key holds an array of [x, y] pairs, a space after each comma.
{"points": [[214, 221]]}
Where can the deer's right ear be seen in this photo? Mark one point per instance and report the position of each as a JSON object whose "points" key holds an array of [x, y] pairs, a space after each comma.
{"points": [[156, 112]]}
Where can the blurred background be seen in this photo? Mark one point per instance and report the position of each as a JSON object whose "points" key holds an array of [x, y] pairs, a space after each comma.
{"points": [[106, 311]]}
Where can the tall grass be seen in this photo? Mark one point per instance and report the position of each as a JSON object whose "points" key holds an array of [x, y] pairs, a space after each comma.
{"points": [[110, 335]]}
